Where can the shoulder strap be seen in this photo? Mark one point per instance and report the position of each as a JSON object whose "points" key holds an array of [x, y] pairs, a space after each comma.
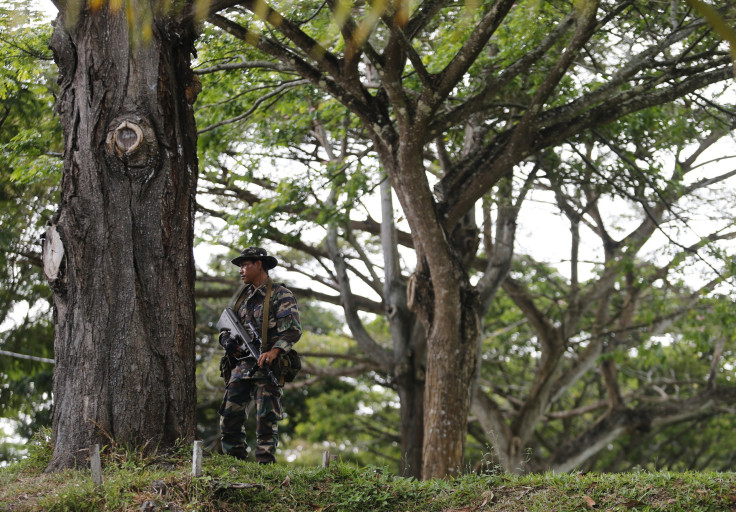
{"points": [[238, 298], [266, 307]]}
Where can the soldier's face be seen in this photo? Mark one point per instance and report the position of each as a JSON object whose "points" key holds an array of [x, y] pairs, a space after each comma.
{"points": [[250, 271]]}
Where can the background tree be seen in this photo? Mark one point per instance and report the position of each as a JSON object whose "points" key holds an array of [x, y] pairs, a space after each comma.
{"points": [[671, 370], [450, 114], [30, 145]]}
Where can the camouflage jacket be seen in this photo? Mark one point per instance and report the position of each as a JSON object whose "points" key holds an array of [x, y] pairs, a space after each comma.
{"points": [[284, 327]]}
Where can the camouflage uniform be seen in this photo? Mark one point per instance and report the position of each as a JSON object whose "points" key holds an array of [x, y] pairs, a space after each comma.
{"points": [[284, 329]]}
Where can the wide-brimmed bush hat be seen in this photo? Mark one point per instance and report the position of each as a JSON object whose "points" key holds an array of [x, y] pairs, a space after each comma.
{"points": [[254, 254]]}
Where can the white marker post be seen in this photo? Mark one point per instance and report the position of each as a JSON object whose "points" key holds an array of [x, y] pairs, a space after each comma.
{"points": [[327, 459], [197, 459], [95, 465]]}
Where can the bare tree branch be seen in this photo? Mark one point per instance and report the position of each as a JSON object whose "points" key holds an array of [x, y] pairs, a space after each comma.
{"points": [[243, 64], [26, 357]]}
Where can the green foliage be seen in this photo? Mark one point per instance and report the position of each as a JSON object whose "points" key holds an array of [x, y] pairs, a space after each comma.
{"points": [[717, 21], [361, 424], [25, 386], [318, 319], [359, 413], [39, 451], [285, 116], [30, 145], [650, 367]]}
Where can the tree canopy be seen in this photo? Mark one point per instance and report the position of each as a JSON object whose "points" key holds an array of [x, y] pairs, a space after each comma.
{"points": [[611, 108]]}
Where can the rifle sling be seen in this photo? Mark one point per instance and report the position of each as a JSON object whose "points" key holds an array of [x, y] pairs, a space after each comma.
{"points": [[240, 297], [266, 307], [266, 304]]}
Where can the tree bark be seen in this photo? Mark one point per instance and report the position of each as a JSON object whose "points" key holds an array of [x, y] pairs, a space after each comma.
{"points": [[124, 302], [451, 361]]}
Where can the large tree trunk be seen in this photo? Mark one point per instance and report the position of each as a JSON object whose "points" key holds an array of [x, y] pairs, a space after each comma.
{"points": [[440, 294], [451, 360], [124, 301]]}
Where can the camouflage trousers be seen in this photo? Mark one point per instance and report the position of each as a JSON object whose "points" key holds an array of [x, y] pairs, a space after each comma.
{"points": [[234, 411]]}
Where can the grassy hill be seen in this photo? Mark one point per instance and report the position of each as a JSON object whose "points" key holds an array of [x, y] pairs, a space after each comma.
{"points": [[132, 482]]}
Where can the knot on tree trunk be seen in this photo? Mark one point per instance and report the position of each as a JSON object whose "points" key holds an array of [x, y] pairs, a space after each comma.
{"points": [[132, 147]]}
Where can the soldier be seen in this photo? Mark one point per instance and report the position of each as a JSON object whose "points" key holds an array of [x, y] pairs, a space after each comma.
{"points": [[259, 297]]}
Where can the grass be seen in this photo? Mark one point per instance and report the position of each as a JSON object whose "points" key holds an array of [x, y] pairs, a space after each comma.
{"points": [[132, 482]]}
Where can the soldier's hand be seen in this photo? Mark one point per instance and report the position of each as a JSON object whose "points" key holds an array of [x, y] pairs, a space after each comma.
{"points": [[267, 358]]}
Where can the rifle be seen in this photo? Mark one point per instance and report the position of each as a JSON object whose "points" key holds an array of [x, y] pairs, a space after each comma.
{"points": [[229, 322]]}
